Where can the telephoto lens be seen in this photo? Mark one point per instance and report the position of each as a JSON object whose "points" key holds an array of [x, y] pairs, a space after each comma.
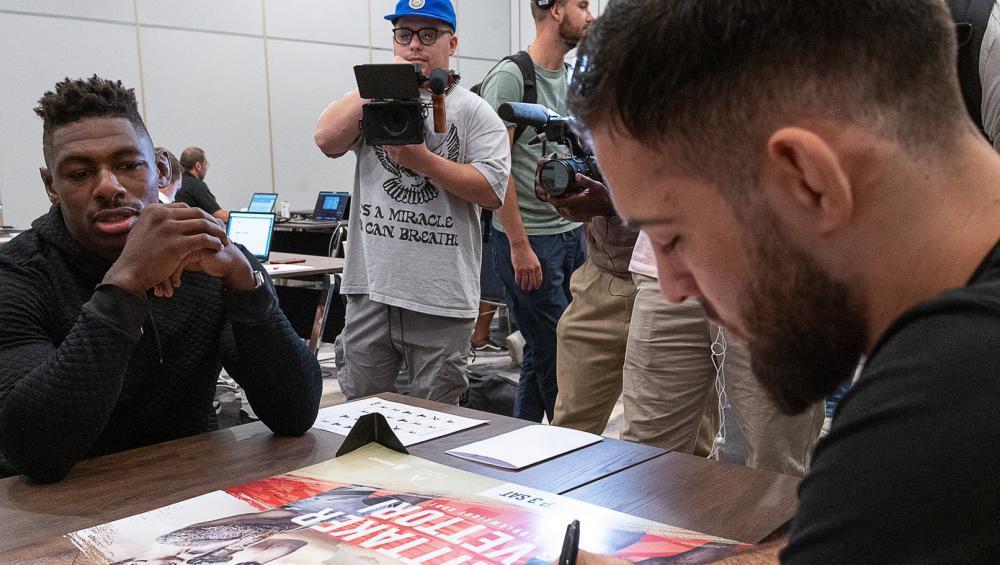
{"points": [[555, 177], [558, 176]]}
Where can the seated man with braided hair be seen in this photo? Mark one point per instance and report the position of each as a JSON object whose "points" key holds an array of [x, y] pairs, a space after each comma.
{"points": [[92, 361]]}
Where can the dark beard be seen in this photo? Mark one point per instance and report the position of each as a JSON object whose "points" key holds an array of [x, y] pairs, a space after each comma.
{"points": [[806, 331], [569, 35]]}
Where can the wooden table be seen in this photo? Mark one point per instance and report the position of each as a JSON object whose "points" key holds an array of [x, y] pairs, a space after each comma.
{"points": [[319, 273], [317, 265], [629, 477], [721, 499]]}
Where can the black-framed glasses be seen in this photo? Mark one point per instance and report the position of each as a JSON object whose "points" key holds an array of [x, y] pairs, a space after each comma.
{"points": [[427, 35]]}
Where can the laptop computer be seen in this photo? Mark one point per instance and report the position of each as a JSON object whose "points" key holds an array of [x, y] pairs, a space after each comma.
{"points": [[262, 202], [331, 206], [253, 231]]}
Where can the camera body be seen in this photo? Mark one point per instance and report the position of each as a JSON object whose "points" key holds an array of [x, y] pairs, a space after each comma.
{"points": [[396, 115], [557, 176]]}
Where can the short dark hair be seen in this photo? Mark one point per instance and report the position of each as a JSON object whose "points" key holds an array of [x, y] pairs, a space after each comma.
{"points": [[75, 99], [175, 166], [191, 157], [540, 13], [709, 80]]}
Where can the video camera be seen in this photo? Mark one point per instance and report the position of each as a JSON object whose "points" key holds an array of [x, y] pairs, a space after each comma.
{"points": [[396, 115], [557, 176]]}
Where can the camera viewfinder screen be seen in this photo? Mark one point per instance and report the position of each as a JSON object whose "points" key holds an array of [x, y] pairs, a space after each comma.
{"points": [[387, 81]]}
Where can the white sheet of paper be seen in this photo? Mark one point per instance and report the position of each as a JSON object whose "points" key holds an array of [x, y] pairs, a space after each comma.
{"points": [[5, 239], [525, 446], [411, 424], [286, 268]]}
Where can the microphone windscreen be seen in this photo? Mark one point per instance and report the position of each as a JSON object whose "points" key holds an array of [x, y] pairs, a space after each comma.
{"points": [[438, 81], [524, 113]]}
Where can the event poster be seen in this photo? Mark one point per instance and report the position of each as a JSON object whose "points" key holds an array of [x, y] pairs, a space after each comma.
{"points": [[377, 506]]}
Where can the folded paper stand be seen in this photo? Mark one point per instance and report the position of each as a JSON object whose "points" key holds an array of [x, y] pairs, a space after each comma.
{"points": [[371, 428]]}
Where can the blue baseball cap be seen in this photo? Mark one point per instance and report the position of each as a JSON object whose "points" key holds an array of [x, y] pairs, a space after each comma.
{"points": [[437, 9]]}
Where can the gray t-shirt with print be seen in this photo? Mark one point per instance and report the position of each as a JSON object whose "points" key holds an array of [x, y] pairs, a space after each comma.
{"points": [[413, 244]]}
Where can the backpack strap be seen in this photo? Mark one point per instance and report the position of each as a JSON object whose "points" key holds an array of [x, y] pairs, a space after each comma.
{"points": [[530, 91], [530, 95], [971, 20]]}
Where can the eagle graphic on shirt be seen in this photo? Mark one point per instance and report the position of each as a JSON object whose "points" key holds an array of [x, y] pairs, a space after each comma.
{"points": [[410, 187]]}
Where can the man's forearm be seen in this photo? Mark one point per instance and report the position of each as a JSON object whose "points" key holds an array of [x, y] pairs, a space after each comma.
{"points": [[53, 412], [510, 217], [510, 212], [339, 125], [281, 378], [463, 181]]}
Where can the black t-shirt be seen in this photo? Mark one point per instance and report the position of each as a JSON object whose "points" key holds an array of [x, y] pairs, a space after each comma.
{"points": [[195, 193], [911, 469]]}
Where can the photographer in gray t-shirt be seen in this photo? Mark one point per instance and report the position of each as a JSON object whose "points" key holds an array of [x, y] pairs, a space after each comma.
{"points": [[412, 272]]}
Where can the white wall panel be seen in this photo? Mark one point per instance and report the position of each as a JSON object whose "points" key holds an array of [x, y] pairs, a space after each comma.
{"points": [[208, 90], [305, 79], [342, 22], [39, 52], [483, 28], [380, 28], [473, 70], [206, 86], [382, 56], [117, 10], [527, 25], [234, 16]]}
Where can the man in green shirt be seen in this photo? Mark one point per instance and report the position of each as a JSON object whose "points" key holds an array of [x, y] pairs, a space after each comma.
{"points": [[534, 249]]}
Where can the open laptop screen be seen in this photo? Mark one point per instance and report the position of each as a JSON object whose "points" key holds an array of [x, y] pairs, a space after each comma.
{"points": [[252, 231], [330, 206], [262, 202]]}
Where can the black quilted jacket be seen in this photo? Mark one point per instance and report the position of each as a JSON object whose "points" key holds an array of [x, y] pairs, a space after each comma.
{"points": [[85, 372]]}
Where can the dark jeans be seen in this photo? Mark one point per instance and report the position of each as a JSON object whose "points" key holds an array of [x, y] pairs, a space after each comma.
{"points": [[490, 287], [537, 313]]}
